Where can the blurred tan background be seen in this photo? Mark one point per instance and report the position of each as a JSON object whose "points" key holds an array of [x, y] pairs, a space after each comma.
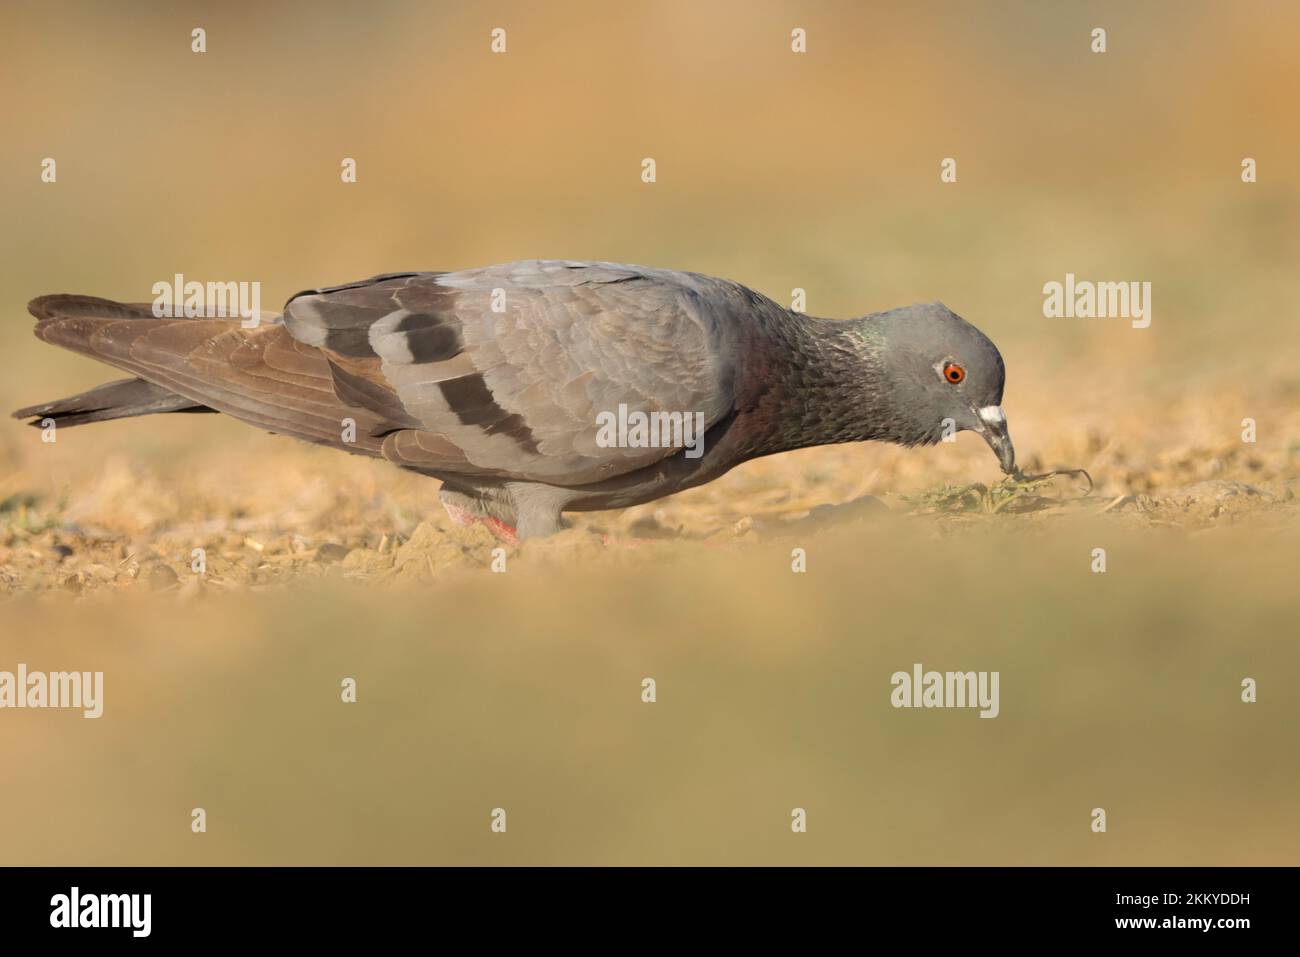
{"points": [[521, 690]]}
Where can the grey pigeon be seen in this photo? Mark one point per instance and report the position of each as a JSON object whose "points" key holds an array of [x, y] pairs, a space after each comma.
{"points": [[526, 387]]}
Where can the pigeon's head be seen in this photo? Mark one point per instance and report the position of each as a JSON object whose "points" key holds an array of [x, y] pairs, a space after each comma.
{"points": [[944, 376]]}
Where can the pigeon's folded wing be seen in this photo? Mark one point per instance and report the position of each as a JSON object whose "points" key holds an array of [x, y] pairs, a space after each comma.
{"points": [[507, 370]]}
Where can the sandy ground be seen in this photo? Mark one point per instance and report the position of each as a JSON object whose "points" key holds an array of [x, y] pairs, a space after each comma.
{"points": [[522, 690], [267, 512]]}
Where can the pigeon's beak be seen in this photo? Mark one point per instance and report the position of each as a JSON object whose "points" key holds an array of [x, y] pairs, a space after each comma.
{"points": [[993, 426]]}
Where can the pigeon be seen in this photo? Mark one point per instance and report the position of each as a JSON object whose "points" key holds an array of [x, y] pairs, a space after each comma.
{"points": [[539, 387]]}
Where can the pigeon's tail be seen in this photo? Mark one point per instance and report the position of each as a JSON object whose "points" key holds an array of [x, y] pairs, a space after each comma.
{"points": [[68, 306], [259, 374], [113, 400]]}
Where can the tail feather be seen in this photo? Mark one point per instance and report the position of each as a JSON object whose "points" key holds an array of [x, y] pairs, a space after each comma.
{"points": [[260, 375], [70, 320], [113, 400], [62, 305]]}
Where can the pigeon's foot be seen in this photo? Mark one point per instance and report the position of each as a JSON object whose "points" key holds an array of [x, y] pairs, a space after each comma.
{"points": [[465, 517], [460, 515], [504, 533]]}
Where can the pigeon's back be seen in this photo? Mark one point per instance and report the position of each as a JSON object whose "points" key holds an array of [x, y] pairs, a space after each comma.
{"points": [[501, 372]]}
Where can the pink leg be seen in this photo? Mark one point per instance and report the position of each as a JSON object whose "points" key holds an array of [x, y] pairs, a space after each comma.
{"points": [[463, 516], [503, 532], [459, 515]]}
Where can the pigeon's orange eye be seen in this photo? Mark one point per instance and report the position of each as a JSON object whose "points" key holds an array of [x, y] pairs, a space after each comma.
{"points": [[953, 372]]}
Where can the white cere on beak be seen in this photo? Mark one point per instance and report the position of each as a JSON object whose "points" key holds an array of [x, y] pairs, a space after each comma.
{"points": [[993, 415]]}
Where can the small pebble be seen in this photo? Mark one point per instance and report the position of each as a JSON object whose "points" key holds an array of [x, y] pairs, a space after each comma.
{"points": [[160, 577], [331, 552]]}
